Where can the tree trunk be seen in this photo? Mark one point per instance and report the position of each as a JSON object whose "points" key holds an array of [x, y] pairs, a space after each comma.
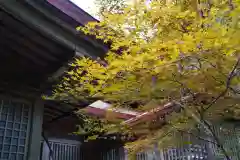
{"points": [[217, 140]]}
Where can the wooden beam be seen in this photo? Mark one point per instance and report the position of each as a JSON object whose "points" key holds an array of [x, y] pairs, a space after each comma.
{"points": [[43, 41], [53, 109], [75, 13], [67, 114], [26, 43], [36, 130], [26, 92], [16, 48], [49, 28], [158, 111], [49, 114]]}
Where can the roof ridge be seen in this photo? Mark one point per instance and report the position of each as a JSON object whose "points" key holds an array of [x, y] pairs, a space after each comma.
{"points": [[73, 11]]}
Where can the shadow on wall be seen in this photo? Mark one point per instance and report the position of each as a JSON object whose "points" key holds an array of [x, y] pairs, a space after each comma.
{"points": [[94, 150]]}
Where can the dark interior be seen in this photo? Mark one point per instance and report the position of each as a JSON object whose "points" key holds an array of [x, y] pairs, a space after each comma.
{"points": [[27, 58]]}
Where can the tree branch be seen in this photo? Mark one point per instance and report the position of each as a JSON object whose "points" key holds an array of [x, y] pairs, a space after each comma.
{"points": [[230, 4], [216, 138], [197, 136], [235, 91], [209, 128], [190, 92], [231, 75]]}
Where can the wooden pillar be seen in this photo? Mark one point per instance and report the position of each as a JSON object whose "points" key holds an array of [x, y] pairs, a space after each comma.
{"points": [[161, 154], [157, 152], [125, 154], [36, 130]]}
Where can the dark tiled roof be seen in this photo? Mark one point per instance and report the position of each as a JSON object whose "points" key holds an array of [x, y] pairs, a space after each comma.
{"points": [[72, 11]]}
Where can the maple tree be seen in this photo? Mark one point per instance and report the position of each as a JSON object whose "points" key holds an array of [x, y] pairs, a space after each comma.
{"points": [[162, 52], [106, 6]]}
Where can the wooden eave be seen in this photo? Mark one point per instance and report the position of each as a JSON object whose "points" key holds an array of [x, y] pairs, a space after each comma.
{"points": [[37, 39]]}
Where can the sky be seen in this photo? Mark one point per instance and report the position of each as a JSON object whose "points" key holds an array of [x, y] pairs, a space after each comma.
{"points": [[86, 5]]}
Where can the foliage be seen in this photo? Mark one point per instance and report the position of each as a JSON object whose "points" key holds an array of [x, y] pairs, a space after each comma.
{"points": [[94, 127], [162, 52], [110, 6], [90, 126]]}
